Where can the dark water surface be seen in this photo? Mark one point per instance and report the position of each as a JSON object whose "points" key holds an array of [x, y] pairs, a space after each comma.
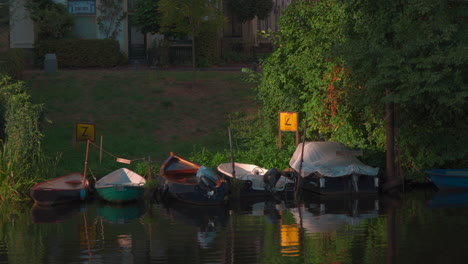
{"points": [[417, 227]]}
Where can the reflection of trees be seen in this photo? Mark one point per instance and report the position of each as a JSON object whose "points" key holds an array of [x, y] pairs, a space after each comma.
{"points": [[23, 242]]}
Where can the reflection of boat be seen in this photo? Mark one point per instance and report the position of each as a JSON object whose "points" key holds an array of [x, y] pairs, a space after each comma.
{"points": [[256, 180], [269, 207], [56, 213], [191, 183], [446, 179], [331, 168], [445, 199], [208, 219], [121, 185], [67, 188], [121, 213], [318, 215]]}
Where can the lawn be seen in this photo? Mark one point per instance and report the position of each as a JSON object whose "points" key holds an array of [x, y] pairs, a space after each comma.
{"points": [[138, 114]]}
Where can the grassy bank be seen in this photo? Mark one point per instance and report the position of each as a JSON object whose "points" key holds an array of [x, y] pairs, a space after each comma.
{"points": [[137, 114]]}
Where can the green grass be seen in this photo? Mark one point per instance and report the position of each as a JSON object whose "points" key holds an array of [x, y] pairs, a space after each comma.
{"points": [[138, 114]]}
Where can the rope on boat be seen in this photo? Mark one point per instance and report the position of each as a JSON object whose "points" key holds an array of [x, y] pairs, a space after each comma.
{"points": [[114, 156]]}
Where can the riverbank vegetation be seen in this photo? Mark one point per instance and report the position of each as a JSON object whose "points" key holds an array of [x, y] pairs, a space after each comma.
{"points": [[341, 63], [22, 160]]}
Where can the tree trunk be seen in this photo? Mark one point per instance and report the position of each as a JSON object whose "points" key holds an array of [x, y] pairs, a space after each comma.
{"points": [[392, 180], [193, 58]]}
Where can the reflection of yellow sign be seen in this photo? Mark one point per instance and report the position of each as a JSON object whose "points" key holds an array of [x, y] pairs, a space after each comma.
{"points": [[289, 240], [85, 132], [288, 121]]}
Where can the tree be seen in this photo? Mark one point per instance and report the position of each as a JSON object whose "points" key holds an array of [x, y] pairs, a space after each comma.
{"points": [[246, 10], [304, 75], [52, 19], [413, 54], [190, 17], [110, 17], [340, 62], [147, 16]]}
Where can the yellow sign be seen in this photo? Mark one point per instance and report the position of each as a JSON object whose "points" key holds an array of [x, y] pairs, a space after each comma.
{"points": [[85, 132], [288, 121]]}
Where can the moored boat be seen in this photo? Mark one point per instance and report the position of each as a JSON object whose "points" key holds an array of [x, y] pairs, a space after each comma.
{"points": [[449, 179], [255, 180], [331, 168], [189, 182], [68, 188], [121, 185]]}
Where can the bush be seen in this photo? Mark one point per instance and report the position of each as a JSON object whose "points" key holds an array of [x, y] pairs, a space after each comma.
{"points": [[12, 63], [81, 53], [22, 161]]}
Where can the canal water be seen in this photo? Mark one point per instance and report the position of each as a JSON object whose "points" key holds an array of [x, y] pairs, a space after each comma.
{"points": [[420, 226]]}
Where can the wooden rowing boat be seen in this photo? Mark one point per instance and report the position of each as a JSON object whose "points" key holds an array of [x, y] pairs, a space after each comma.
{"points": [[191, 183], [122, 185], [68, 188]]}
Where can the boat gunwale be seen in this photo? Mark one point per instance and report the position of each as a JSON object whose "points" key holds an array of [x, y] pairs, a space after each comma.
{"points": [[444, 175]]}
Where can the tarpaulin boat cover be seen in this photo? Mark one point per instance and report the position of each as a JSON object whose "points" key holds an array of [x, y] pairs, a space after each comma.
{"points": [[328, 159]]}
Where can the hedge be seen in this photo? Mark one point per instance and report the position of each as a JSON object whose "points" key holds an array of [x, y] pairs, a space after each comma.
{"points": [[12, 63], [80, 53]]}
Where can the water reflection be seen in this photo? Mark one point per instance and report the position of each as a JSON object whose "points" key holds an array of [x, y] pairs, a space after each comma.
{"points": [[208, 220], [319, 214], [446, 199], [56, 213], [313, 229], [121, 213]]}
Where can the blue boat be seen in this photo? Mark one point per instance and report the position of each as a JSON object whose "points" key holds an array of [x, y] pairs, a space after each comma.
{"points": [[449, 179]]}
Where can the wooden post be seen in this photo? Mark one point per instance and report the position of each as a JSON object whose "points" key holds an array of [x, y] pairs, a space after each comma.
{"points": [[232, 155], [297, 137], [86, 160], [392, 180], [299, 177], [150, 171], [280, 139], [100, 152]]}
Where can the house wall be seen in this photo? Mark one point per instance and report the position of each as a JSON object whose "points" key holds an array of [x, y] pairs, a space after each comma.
{"points": [[21, 26], [247, 33], [22, 33], [86, 26]]}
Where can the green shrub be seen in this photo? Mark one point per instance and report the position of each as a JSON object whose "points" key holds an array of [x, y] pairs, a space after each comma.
{"points": [[22, 161], [12, 63], [81, 53]]}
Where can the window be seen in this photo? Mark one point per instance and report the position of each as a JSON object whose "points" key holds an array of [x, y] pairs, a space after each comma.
{"points": [[82, 7]]}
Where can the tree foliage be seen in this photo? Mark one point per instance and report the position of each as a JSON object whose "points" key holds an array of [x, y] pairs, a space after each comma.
{"points": [[52, 19], [419, 50], [190, 17], [110, 17], [246, 10], [147, 16], [335, 59]]}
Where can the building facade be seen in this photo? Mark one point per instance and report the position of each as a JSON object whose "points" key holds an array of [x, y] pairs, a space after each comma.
{"points": [[132, 42]]}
